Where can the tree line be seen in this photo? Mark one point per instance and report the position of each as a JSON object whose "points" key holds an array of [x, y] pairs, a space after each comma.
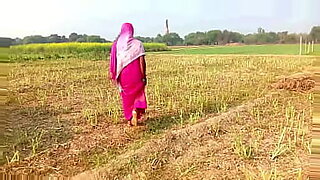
{"points": [[53, 38], [213, 37], [218, 37]]}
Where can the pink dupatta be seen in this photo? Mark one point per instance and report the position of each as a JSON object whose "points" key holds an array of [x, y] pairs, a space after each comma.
{"points": [[124, 50]]}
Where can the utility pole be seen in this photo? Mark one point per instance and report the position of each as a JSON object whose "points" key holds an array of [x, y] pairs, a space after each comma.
{"points": [[300, 52], [312, 46], [305, 47]]}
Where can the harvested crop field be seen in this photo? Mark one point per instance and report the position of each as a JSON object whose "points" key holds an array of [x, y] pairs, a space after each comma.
{"points": [[212, 117]]}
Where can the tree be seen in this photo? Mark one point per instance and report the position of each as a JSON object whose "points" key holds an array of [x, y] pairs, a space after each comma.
{"points": [[315, 33], [235, 37], [282, 36], [55, 38], [145, 39], [292, 38], [158, 39], [73, 37], [95, 38], [214, 37], [172, 39], [34, 39], [225, 37], [198, 38], [190, 39], [81, 39], [272, 37], [250, 39]]}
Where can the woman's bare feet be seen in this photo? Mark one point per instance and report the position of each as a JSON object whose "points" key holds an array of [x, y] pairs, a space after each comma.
{"points": [[129, 123], [134, 119]]}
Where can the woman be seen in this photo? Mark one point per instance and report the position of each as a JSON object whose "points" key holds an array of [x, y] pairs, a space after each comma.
{"points": [[128, 71]]}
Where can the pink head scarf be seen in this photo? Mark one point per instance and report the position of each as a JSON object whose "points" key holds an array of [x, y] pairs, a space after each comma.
{"points": [[124, 50]]}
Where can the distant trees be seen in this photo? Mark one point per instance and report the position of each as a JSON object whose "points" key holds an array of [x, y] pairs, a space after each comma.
{"points": [[34, 39], [145, 39], [171, 39], [74, 37], [315, 33], [55, 38], [264, 38], [5, 42], [197, 38], [212, 37]]}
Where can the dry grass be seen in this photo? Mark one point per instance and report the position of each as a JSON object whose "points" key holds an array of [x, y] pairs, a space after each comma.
{"points": [[73, 103], [206, 150]]}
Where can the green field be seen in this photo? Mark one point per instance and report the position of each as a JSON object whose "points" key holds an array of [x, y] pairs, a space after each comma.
{"points": [[4, 54], [89, 51], [287, 49]]}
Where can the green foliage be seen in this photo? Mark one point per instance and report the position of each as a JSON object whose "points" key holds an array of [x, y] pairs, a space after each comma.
{"points": [[264, 38], [4, 52], [213, 37], [197, 38], [34, 39], [315, 33], [172, 39], [55, 38], [145, 39]]}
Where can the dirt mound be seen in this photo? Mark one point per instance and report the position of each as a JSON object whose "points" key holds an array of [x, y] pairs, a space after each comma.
{"points": [[234, 44], [298, 83]]}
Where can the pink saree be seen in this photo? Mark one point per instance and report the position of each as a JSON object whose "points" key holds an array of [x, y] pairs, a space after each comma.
{"points": [[126, 71]]}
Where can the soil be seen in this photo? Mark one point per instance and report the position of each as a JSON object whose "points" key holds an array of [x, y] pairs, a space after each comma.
{"points": [[298, 83]]}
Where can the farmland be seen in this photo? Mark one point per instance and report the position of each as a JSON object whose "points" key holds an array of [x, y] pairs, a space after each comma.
{"points": [[92, 51], [284, 49], [208, 117]]}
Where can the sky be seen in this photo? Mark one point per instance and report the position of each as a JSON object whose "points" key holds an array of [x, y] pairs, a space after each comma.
{"points": [[21, 18]]}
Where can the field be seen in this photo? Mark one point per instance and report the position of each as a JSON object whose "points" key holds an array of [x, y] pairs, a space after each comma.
{"points": [[92, 51], [4, 54], [209, 117], [287, 49]]}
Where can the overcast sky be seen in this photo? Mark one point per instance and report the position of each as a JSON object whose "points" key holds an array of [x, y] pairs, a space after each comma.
{"points": [[20, 18]]}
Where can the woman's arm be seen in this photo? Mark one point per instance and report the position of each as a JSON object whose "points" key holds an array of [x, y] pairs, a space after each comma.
{"points": [[143, 68]]}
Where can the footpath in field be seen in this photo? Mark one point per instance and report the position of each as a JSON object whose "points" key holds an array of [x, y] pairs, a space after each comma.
{"points": [[69, 116]]}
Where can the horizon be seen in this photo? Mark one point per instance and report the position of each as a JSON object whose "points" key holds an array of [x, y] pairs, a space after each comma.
{"points": [[97, 17]]}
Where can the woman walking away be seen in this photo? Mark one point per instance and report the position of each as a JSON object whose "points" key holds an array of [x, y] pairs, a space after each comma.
{"points": [[128, 71]]}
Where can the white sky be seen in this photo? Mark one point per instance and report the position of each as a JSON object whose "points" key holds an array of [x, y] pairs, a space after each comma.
{"points": [[20, 18]]}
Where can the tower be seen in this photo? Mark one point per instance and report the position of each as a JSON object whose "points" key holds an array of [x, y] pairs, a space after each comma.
{"points": [[167, 27]]}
